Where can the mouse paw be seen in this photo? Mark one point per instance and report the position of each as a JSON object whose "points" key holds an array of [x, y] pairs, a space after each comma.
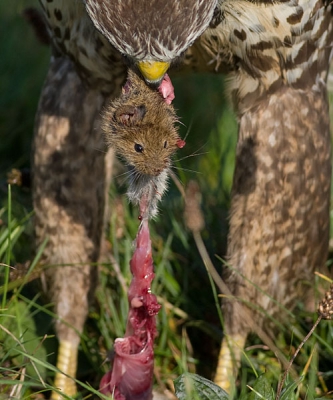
{"points": [[166, 89]]}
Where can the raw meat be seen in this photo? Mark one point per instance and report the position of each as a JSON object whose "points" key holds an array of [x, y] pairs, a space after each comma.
{"points": [[131, 377]]}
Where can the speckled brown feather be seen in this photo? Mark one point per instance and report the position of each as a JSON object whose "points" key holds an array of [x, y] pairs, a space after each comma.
{"points": [[73, 35], [68, 144], [155, 30], [279, 224]]}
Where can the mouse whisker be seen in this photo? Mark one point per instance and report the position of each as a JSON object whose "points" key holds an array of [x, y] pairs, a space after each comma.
{"points": [[136, 175], [191, 155], [100, 150], [180, 122], [126, 173], [188, 130], [195, 153], [187, 170]]}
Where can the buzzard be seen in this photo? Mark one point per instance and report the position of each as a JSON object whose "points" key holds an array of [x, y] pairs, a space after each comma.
{"points": [[276, 55]]}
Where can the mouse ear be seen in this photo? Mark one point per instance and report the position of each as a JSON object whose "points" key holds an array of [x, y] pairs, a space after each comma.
{"points": [[130, 115]]}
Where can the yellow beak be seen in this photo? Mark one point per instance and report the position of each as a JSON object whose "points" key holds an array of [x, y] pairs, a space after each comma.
{"points": [[153, 71]]}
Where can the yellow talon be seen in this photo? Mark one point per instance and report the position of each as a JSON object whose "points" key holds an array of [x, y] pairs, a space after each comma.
{"points": [[228, 361], [67, 363], [153, 71]]}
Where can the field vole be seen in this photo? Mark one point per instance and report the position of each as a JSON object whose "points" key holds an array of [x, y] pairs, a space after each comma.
{"points": [[140, 126]]}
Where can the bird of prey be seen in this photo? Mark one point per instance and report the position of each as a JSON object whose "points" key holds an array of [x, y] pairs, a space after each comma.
{"points": [[276, 54]]}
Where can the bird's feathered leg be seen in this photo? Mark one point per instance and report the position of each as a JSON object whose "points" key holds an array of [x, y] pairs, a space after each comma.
{"points": [[277, 57], [279, 226], [69, 195], [72, 170], [280, 205]]}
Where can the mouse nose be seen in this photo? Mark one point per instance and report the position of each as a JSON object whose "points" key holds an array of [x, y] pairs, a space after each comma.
{"points": [[157, 171]]}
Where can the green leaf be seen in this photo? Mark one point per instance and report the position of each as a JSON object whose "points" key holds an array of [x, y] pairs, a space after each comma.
{"points": [[195, 387], [288, 392], [21, 325], [262, 390]]}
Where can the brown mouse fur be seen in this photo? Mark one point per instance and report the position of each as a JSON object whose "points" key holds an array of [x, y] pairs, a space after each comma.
{"points": [[141, 117], [140, 126]]}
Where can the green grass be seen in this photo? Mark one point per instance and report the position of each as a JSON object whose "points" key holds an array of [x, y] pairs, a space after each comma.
{"points": [[189, 326]]}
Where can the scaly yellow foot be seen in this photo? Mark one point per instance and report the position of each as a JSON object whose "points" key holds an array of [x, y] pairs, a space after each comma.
{"points": [[229, 361], [67, 363]]}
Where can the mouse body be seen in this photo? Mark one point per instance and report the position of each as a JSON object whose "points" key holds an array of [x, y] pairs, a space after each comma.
{"points": [[141, 127]]}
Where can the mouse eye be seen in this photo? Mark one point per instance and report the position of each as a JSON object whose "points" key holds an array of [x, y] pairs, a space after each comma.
{"points": [[165, 144], [138, 148]]}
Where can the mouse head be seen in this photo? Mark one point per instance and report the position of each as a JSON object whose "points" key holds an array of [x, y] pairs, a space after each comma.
{"points": [[140, 126]]}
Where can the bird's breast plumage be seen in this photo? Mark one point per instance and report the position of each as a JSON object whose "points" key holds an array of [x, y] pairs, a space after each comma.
{"points": [[267, 45], [151, 30], [261, 44]]}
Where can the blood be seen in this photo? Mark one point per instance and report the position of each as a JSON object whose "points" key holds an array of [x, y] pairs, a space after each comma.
{"points": [[181, 143], [131, 377]]}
